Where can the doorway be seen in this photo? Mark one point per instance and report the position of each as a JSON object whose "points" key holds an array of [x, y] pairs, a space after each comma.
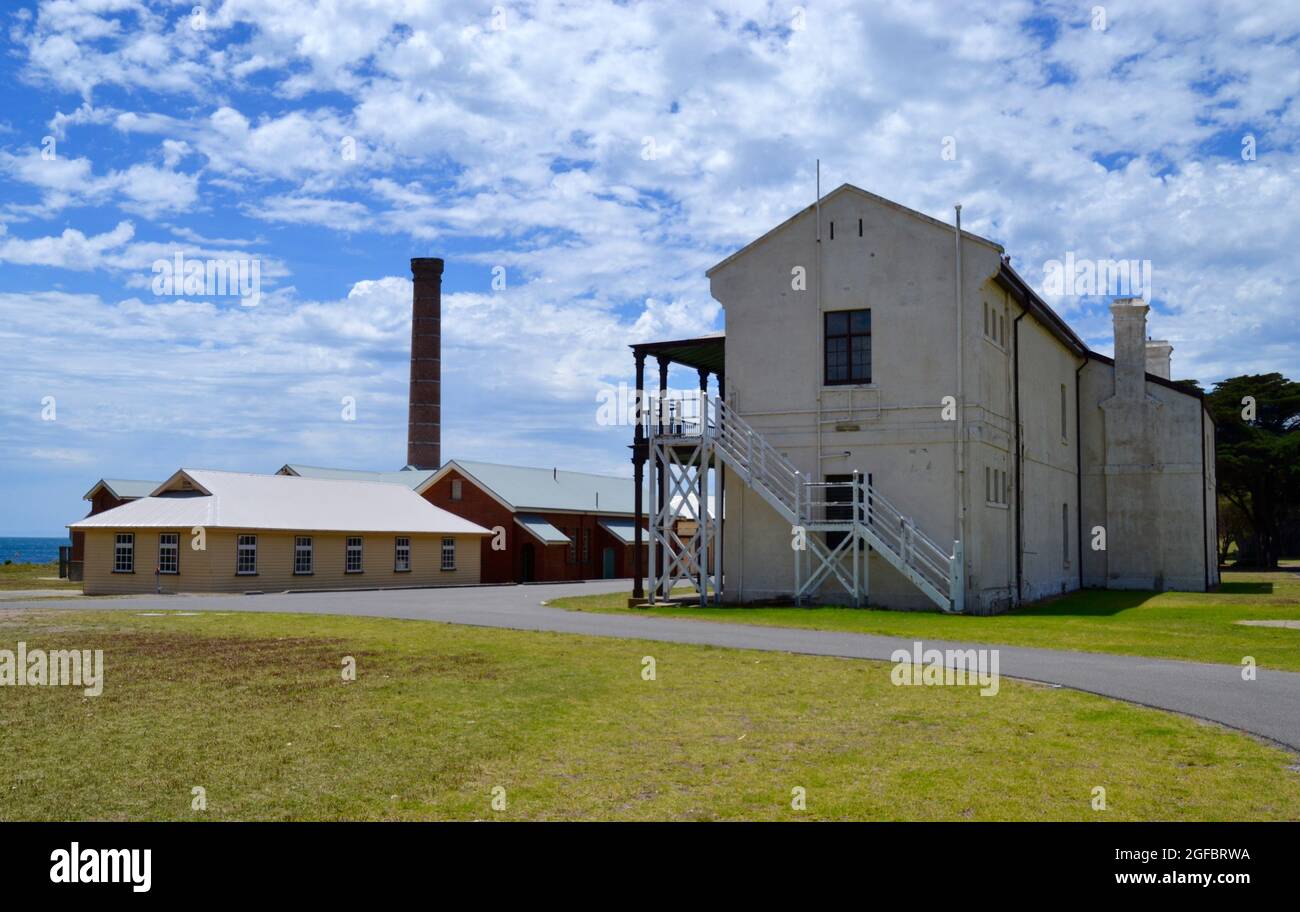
{"points": [[607, 557], [527, 559]]}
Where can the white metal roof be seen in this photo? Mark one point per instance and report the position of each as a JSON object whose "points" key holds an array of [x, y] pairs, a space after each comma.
{"points": [[236, 500], [624, 530], [543, 531], [122, 488], [411, 477], [534, 489]]}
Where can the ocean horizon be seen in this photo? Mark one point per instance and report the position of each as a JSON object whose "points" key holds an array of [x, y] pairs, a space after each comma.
{"points": [[31, 550]]}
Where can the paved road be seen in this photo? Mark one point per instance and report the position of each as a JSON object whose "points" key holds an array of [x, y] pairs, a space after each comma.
{"points": [[1268, 707]]}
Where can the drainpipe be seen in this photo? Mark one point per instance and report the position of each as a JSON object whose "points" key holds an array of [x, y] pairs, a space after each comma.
{"points": [[960, 449], [1020, 514], [1078, 467]]}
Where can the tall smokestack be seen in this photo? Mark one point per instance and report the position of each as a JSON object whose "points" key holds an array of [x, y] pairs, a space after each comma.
{"points": [[424, 428]]}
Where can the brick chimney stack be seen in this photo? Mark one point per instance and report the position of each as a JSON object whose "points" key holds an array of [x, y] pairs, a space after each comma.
{"points": [[1130, 317], [424, 427]]}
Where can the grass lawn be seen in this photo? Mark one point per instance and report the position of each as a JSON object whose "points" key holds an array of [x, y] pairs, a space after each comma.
{"points": [[29, 576], [1198, 626], [253, 708]]}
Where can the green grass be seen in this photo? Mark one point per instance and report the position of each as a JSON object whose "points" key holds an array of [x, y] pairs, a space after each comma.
{"points": [[252, 708], [28, 576], [1197, 626]]}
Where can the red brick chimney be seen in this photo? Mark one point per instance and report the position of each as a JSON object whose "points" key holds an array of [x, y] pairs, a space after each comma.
{"points": [[424, 428]]}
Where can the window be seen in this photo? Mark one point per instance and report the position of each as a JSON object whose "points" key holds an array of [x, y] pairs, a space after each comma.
{"points": [[586, 545], [572, 534], [302, 556], [352, 564], [456, 490], [449, 554], [246, 555], [124, 553], [848, 346], [995, 487], [995, 329], [1065, 534], [1064, 432], [402, 555], [169, 552]]}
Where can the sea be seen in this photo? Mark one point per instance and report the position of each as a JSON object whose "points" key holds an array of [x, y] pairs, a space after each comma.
{"points": [[30, 550]]}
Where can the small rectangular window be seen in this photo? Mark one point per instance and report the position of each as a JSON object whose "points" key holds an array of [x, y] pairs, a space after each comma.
{"points": [[571, 535], [303, 557], [1065, 534], [169, 552], [246, 555], [586, 545], [402, 555], [353, 563], [1064, 426], [456, 490], [124, 553], [449, 554]]}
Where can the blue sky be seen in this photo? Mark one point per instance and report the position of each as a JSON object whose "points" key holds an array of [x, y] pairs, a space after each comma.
{"points": [[515, 136]]}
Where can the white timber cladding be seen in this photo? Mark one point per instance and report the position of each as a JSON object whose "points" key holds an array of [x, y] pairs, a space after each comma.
{"points": [[1046, 467]]}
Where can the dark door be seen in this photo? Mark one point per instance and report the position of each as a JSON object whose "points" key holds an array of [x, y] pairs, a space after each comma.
{"points": [[527, 558], [608, 558]]}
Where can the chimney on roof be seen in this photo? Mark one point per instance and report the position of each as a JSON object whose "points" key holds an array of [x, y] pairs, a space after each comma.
{"points": [[424, 425], [1158, 352], [1130, 319]]}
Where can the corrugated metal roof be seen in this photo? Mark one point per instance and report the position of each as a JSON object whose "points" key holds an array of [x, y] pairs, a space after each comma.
{"points": [[412, 478], [528, 488], [123, 488], [623, 529], [235, 500], [541, 529]]}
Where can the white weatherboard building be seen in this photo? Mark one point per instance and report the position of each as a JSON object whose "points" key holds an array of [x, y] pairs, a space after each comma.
{"points": [[208, 531], [892, 391]]}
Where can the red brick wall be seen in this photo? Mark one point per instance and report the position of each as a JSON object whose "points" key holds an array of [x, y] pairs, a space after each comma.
{"points": [[98, 504], [551, 562]]}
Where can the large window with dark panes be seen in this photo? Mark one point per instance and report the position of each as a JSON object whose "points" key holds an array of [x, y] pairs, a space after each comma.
{"points": [[169, 552], [848, 346], [124, 553]]}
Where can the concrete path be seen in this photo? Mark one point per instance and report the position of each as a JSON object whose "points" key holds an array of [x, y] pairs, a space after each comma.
{"points": [[1268, 707]]}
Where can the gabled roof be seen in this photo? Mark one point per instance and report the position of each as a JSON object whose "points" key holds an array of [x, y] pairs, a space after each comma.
{"points": [[524, 488], [236, 500], [121, 488], [409, 476], [850, 188]]}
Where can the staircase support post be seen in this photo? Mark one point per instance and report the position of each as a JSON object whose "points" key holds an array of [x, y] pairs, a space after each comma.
{"points": [[957, 578]]}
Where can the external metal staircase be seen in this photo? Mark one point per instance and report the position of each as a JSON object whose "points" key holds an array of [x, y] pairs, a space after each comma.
{"points": [[854, 512]]}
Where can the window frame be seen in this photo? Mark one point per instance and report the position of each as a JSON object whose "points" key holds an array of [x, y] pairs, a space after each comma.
{"points": [[240, 548], [447, 548], [309, 549], [398, 548], [175, 547], [1065, 535], [118, 545], [457, 489], [848, 338], [349, 549]]}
